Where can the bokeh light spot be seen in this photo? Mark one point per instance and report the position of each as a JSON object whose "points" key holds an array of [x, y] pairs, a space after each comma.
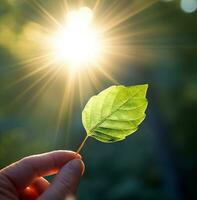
{"points": [[188, 6]]}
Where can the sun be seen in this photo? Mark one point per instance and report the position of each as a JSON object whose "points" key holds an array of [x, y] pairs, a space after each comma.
{"points": [[78, 43]]}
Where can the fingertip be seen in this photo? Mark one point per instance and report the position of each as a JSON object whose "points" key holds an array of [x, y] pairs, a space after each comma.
{"points": [[83, 167], [78, 156], [77, 165]]}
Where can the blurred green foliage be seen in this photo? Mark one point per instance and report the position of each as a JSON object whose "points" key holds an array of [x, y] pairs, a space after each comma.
{"points": [[159, 161]]}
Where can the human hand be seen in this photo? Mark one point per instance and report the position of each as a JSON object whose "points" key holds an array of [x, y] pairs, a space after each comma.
{"points": [[24, 180]]}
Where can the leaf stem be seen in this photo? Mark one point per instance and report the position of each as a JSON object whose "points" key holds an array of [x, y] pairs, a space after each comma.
{"points": [[82, 144]]}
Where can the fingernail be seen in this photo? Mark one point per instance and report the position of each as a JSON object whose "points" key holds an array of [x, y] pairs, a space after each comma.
{"points": [[83, 169]]}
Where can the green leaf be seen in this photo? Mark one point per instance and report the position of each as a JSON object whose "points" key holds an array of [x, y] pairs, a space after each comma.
{"points": [[115, 112]]}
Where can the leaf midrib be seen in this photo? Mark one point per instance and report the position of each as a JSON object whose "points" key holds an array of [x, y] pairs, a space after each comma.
{"points": [[96, 126]]}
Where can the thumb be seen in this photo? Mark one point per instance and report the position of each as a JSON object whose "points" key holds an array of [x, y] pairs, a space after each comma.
{"points": [[66, 182]]}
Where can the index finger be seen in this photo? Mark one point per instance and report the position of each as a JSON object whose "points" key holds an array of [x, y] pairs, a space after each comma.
{"points": [[23, 172]]}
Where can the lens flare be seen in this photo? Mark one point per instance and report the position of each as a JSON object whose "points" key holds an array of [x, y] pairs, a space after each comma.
{"points": [[78, 43]]}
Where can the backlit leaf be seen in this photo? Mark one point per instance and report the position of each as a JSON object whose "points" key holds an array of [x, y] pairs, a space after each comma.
{"points": [[115, 112]]}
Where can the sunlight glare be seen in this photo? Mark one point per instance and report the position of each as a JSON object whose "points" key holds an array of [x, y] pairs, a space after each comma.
{"points": [[78, 43]]}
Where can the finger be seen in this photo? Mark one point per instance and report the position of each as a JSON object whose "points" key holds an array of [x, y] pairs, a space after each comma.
{"points": [[28, 193], [33, 191], [66, 182], [23, 172], [40, 185]]}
